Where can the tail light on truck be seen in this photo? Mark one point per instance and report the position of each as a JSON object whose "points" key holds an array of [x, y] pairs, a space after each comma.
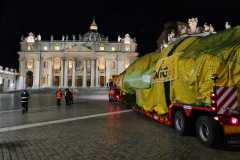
{"points": [[234, 120]]}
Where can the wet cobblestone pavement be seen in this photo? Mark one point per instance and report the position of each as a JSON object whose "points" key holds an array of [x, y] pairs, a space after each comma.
{"points": [[112, 137]]}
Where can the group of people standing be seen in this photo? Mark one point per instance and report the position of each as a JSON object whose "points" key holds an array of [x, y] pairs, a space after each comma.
{"points": [[67, 94], [59, 96]]}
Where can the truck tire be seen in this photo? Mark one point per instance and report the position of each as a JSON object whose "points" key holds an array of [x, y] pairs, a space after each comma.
{"points": [[209, 131], [181, 125]]}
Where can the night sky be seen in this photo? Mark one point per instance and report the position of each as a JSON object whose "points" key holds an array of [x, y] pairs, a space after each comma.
{"points": [[143, 20]]}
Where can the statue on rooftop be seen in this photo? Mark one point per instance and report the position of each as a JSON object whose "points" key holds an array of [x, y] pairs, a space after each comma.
{"points": [[127, 39], [119, 39], [171, 36], [73, 37], [181, 28], [39, 38], [51, 38], [193, 28], [206, 27], [168, 38], [211, 29], [63, 38], [66, 37], [30, 38], [227, 25]]}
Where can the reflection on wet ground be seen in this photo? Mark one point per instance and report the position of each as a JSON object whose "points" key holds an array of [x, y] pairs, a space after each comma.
{"points": [[9, 101], [115, 136]]}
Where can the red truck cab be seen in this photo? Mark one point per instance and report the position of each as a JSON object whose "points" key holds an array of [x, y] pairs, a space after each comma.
{"points": [[114, 95]]}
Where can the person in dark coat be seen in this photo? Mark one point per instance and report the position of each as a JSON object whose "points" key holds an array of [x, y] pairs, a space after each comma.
{"points": [[24, 101], [110, 84], [67, 96], [71, 96]]}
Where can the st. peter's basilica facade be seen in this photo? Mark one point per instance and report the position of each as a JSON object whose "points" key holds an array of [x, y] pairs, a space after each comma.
{"points": [[88, 60]]}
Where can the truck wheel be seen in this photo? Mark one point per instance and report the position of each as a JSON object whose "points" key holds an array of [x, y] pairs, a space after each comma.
{"points": [[181, 124], [209, 131]]}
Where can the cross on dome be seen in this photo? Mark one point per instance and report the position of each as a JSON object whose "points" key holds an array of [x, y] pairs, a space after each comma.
{"points": [[93, 26]]}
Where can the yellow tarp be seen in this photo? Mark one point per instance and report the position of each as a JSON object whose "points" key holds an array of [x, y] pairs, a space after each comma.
{"points": [[188, 65], [151, 99], [139, 74]]}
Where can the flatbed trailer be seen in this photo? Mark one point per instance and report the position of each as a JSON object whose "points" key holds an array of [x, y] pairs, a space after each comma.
{"points": [[211, 125]]}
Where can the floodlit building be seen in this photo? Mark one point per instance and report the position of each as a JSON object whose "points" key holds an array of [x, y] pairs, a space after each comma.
{"points": [[88, 60], [8, 79]]}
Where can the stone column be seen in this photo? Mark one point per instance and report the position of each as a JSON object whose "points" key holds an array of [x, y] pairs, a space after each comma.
{"points": [[73, 73], [66, 73], [62, 73], [10, 85], [97, 75], [4, 83], [50, 76], [1, 79], [22, 82], [120, 65], [36, 73], [107, 70], [84, 73], [92, 73]]}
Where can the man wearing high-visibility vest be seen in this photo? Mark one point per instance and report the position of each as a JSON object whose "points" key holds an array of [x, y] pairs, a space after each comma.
{"points": [[59, 96], [24, 101]]}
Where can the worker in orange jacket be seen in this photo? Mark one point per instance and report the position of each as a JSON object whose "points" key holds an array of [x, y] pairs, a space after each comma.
{"points": [[59, 96]]}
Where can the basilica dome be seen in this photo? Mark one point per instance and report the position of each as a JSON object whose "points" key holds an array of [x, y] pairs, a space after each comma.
{"points": [[93, 35]]}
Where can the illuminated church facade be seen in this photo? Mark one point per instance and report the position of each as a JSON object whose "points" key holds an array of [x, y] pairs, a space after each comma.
{"points": [[88, 60]]}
